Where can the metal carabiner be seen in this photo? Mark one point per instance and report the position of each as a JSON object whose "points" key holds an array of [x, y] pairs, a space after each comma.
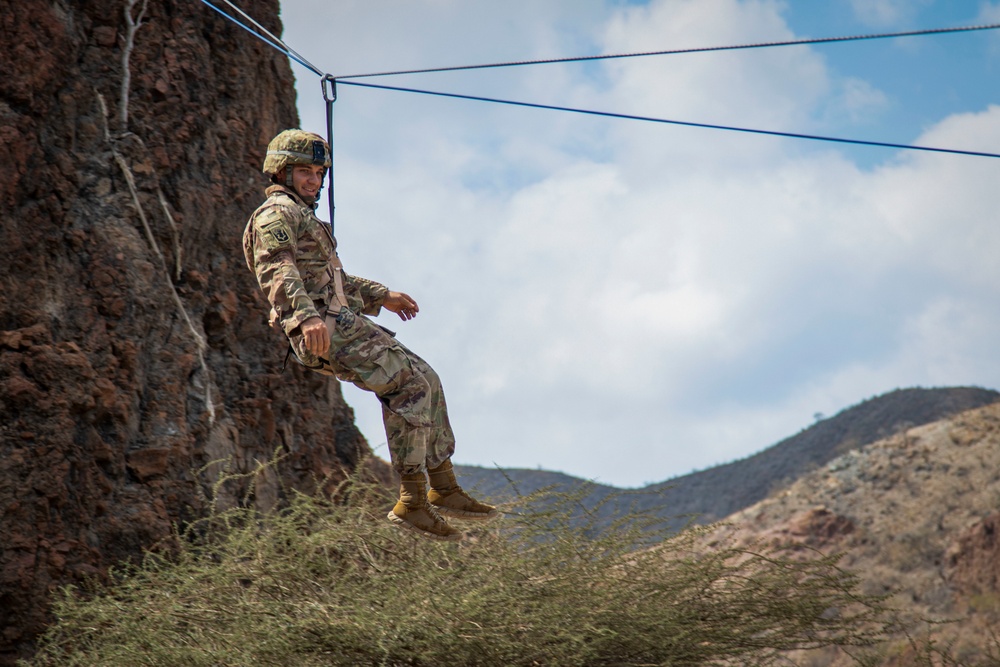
{"points": [[331, 94]]}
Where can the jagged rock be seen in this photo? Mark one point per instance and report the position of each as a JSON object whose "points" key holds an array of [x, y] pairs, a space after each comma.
{"points": [[819, 526], [133, 347], [972, 563], [917, 520]]}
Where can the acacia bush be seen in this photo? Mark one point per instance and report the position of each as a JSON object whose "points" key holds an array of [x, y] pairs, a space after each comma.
{"points": [[331, 582]]}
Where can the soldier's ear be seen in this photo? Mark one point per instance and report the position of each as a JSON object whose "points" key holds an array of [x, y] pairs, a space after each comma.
{"points": [[279, 176]]}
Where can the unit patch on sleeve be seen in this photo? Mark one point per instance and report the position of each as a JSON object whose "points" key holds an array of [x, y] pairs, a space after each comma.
{"points": [[274, 231], [279, 233]]}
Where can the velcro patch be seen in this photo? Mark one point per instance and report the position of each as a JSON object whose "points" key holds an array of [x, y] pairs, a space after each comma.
{"points": [[275, 234]]}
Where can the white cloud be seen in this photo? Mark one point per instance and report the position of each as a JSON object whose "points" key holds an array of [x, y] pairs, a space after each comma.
{"points": [[882, 13], [989, 13], [858, 102]]}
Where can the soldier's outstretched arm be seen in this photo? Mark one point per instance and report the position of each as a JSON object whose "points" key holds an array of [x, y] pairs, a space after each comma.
{"points": [[402, 304], [372, 293]]}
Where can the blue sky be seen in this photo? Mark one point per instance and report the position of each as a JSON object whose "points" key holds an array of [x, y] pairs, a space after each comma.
{"points": [[630, 301], [922, 78]]}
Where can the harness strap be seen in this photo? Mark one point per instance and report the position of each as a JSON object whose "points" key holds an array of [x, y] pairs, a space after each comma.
{"points": [[335, 271]]}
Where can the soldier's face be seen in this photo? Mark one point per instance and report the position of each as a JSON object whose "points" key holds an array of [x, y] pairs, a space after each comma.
{"points": [[307, 179]]}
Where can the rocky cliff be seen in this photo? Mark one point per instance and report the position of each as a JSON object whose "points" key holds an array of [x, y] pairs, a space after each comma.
{"points": [[135, 362], [916, 515]]}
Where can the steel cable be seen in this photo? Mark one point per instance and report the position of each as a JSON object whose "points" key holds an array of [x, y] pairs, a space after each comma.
{"points": [[276, 43]]}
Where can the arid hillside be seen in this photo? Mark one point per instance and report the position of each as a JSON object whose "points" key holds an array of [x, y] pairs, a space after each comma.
{"points": [[916, 515], [135, 361]]}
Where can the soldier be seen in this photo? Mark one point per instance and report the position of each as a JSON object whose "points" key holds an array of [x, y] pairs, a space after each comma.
{"points": [[323, 310]]}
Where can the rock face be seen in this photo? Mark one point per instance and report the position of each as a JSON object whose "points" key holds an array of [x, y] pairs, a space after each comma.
{"points": [[914, 515], [972, 563], [135, 362]]}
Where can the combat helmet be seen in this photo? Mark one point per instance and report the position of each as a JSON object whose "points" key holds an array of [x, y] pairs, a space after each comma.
{"points": [[295, 147]]}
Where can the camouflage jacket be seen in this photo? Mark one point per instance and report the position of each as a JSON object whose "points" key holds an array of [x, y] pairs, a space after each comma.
{"points": [[288, 247]]}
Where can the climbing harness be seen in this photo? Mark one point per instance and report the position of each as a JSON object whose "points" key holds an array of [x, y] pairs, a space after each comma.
{"points": [[335, 271]]}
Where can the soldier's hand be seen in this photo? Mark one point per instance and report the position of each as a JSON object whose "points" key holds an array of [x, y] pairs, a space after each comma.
{"points": [[316, 336], [401, 304]]}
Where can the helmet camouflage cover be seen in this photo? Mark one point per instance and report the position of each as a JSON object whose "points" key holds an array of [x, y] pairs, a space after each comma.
{"points": [[296, 147]]}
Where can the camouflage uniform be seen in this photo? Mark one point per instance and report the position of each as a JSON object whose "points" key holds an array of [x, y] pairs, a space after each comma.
{"points": [[288, 248]]}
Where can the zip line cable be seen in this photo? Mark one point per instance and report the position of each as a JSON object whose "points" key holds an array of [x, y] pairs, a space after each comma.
{"points": [[704, 49], [330, 94], [607, 114], [269, 39], [292, 53], [284, 48]]}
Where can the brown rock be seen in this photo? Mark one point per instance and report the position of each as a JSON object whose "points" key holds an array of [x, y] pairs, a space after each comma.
{"points": [[146, 463], [105, 36], [108, 399], [821, 525], [972, 562]]}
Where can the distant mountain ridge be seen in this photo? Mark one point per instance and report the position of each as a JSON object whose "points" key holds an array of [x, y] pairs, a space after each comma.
{"points": [[715, 493]]}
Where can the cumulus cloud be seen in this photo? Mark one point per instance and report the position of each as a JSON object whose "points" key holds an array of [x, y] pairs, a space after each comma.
{"points": [[629, 301], [881, 13], [989, 12]]}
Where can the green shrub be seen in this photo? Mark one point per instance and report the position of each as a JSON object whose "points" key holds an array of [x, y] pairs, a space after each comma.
{"points": [[331, 582]]}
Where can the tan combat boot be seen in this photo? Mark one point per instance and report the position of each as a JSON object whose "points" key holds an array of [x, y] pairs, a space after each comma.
{"points": [[449, 498], [413, 513]]}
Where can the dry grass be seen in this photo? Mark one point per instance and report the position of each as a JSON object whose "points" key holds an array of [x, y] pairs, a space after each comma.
{"points": [[327, 582]]}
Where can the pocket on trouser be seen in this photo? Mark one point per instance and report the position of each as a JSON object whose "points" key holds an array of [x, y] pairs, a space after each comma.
{"points": [[380, 365], [307, 358], [383, 369]]}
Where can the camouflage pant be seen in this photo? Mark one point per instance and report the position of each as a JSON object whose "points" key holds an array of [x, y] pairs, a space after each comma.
{"points": [[413, 406]]}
